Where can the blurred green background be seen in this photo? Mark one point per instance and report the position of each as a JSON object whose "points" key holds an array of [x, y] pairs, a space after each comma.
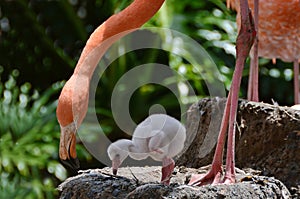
{"points": [[40, 43]]}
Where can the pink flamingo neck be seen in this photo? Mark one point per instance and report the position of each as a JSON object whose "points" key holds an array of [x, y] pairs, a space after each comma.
{"points": [[115, 27]]}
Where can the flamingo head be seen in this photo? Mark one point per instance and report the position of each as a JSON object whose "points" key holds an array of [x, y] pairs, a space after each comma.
{"points": [[118, 152], [71, 110]]}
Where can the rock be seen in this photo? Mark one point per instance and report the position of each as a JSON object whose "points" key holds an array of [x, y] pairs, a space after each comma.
{"points": [[268, 138], [143, 182]]}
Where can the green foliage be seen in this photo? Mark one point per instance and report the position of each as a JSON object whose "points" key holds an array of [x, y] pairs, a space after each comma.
{"points": [[51, 35], [28, 141], [43, 40], [193, 19], [211, 25], [214, 27], [46, 37]]}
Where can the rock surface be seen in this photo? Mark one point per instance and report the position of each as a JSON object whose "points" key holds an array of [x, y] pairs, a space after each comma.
{"points": [[143, 182], [268, 139]]}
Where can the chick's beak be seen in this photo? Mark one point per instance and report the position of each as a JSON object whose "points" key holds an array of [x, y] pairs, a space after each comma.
{"points": [[116, 162]]}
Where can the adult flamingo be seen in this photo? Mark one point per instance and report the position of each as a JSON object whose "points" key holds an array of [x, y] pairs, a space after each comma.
{"points": [[244, 42], [279, 37], [73, 100]]}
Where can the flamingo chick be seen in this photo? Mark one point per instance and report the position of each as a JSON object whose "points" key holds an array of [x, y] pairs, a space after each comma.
{"points": [[159, 136]]}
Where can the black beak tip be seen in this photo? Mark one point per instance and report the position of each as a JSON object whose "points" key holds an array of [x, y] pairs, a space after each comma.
{"points": [[72, 164], [115, 171]]}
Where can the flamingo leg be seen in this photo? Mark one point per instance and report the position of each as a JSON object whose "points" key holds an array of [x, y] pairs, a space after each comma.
{"points": [[168, 165], [230, 160], [250, 81], [296, 82], [254, 68], [215, 173], [244, 43]]}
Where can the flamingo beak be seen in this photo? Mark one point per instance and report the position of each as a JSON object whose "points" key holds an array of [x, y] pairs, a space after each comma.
{"points": [[116, 162], [67, 150]]}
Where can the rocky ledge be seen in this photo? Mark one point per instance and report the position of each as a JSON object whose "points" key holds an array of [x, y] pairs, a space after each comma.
{"points": [[267, 140]]}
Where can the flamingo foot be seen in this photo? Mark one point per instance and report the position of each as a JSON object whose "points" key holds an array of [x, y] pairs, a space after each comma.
{"points": [[229, 177], [228, 180], [212, 177]]}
